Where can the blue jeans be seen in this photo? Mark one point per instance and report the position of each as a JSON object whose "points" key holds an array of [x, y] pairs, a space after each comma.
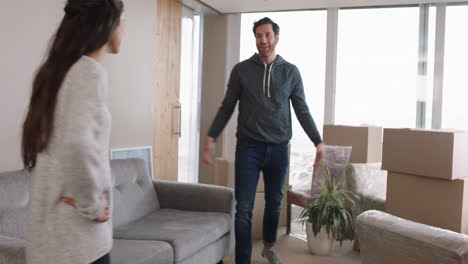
{"points": [[251, 158], [103, 260]]}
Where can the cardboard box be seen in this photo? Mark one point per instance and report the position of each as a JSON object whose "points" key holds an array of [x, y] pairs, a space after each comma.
{"points": [[221, 175], [225, 173], [221, 179], [257, 215], [261, 183], [432, 153], [430, 201], [224, 178], [365, 140]]}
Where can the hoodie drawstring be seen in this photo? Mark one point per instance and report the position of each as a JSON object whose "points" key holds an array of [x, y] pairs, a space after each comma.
{"points": [[269, 79], [264, 77]]}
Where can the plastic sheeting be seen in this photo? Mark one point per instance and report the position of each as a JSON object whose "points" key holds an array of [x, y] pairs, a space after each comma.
{"points": [[336, 158], [387, 239], [369, 182]]}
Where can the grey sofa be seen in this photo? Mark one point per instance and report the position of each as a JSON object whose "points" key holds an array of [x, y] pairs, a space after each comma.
{"points": [[155, 222], [387, 239]]}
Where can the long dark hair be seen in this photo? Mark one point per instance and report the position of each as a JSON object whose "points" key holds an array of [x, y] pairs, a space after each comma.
{"points": [[86, 26]]}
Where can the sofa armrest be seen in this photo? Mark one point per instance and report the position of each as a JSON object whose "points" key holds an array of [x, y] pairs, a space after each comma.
{"points": [[195, 197], [388, 239], [198, 197], [12, 250]]}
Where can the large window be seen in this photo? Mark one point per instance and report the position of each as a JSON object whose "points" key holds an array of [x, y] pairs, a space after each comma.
{"points": [[425, 84], [384, 72], [455, 90], [303, 43], [377, 67], [189, 98]]}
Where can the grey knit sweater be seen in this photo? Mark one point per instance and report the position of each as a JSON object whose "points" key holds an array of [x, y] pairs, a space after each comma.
{"points": [[76, 165]]}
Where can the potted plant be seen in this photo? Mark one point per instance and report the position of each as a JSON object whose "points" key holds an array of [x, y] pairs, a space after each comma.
{"points": [[329, 216]]}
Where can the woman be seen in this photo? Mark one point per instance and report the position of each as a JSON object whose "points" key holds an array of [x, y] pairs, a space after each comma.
{"points": [[65, 139]]}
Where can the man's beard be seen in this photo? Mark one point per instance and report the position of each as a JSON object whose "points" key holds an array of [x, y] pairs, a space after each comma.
{"points": [[272, 50], [265, 55]]}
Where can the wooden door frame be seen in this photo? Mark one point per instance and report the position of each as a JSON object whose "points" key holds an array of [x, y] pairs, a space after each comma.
{"points": [[168, 56]]}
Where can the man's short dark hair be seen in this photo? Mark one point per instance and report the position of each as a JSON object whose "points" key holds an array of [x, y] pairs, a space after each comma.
{"points": [[263, 21]]}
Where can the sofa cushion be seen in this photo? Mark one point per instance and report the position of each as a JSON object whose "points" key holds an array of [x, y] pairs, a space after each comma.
{"points": [[14, 189], [141, 252], [14, 200], [133, 193], [13, 222], [213, 253], [12, 250], [186, 231]]}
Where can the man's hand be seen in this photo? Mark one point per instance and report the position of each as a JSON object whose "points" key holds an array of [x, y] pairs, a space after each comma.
{"points": [[320, 155], [103, 218], [208, 150]]}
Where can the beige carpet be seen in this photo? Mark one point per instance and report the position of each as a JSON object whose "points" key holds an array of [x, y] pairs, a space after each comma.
{"points": [[294, 250]]}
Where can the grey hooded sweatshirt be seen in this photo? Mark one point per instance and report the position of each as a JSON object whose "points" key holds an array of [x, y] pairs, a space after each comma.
{"points": [[264, 92]]}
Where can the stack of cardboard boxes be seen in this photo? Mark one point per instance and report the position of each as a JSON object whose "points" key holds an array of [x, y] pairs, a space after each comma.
{"points": [[427, 176], [366, 141]]}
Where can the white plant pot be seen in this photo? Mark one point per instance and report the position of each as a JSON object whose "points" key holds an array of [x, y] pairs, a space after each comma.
{"points": [[320, 244]]}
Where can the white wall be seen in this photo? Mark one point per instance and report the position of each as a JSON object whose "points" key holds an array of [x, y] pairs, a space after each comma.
{"points": [[133, 78], [25, 29], [233, 57], [213, 84], [221, 48]]}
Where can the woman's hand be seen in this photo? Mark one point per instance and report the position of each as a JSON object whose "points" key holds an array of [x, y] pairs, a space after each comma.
{"points": [[103, 218], [68, 201]]}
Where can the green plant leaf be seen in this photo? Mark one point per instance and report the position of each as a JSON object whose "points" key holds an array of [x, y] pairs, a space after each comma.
{"points": [[332, 209]]}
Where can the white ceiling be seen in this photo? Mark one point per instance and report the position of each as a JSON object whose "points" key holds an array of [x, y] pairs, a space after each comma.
{"points": [[241, 6]]}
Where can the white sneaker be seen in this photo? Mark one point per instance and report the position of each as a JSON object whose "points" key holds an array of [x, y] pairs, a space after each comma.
{"points": [[271, 257]]}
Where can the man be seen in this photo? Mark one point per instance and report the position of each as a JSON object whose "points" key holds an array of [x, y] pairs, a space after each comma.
{"points": [[264, 85]]}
